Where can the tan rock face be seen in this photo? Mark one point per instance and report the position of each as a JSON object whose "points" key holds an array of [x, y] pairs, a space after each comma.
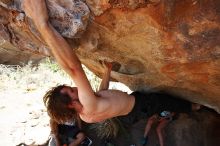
{"points": [[164, 45], [18, 44], [173, 46]]}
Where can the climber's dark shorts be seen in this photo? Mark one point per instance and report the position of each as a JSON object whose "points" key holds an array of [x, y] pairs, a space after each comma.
{"points": [[147, 104]]}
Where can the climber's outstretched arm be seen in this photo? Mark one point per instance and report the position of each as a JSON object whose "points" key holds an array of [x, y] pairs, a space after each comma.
{"points": [[63, 53]]}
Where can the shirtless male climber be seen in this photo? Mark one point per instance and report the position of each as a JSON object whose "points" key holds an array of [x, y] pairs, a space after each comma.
{"points": [[82, 100]]}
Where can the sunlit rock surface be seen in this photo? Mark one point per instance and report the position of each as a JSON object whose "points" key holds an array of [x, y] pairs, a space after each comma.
{"points": [[169, 45]]}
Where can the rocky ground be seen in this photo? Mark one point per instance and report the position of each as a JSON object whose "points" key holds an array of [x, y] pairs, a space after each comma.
{"points": [[23, 118]]}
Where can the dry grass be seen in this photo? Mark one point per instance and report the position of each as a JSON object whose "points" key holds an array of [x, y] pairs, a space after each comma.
{"points": [[107, 129], [45, 75]]}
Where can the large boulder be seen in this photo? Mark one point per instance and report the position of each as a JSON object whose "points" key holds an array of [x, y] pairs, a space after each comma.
{"points": [[171, 45]]}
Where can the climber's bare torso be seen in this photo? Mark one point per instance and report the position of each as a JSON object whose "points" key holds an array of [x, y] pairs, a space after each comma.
{"points": [[113, 103]]}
